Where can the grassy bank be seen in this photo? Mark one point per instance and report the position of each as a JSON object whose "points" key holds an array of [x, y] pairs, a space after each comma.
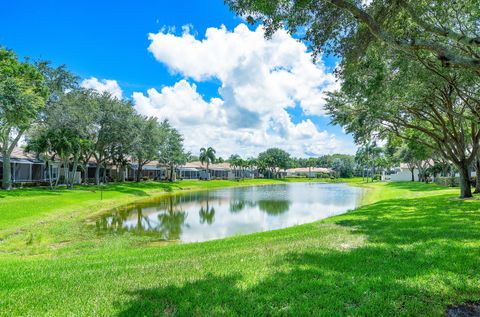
{"points": [[411, 251]]}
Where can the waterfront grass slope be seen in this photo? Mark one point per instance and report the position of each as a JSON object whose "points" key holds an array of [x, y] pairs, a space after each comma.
{"points": [[412, 249]]}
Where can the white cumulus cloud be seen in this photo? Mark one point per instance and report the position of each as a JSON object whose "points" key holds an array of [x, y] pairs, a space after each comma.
{"points": [[259, 80], [103, 85]]}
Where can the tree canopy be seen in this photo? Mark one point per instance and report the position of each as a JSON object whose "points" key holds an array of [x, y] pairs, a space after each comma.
{"points": [[447, 31]]}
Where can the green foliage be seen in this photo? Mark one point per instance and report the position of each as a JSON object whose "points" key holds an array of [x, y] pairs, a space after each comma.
{"points": [[344, 168], [272, 161], [172, 152], [207, 156], [23, 93], [444, 32]]}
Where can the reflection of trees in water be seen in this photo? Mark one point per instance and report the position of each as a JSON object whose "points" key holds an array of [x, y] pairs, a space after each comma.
{"points": [[271, 207], [237, 205], [172, 215], [274, 207], [206, 214], [169, 225], [171, 221]]}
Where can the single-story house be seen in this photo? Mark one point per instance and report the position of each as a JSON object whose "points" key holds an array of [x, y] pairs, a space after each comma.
{"points": [[308, 171], [26, 168], [402, 173], [152, 170], [215, 171]]}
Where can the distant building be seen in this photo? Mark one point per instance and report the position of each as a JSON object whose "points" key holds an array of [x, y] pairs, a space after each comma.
{"points": [[308, 172], [26, 168], [402, 173]]}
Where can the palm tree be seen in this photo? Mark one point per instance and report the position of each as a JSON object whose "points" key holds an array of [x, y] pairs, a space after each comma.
{"points": [[207, 156]]}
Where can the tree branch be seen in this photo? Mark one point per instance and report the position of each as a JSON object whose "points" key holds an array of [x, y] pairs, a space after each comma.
{"points": [[450, 34], [444, 54]]}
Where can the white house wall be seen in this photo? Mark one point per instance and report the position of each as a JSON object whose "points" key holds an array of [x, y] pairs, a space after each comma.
{"points": [[404, 175]]}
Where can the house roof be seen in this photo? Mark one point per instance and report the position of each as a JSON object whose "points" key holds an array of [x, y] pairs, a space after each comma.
{"points": [[20, 156], [216, 166], [429, 162], [307, 170]]}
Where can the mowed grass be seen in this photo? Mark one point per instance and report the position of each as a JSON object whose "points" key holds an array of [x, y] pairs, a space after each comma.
{"points": [[411, 251]]}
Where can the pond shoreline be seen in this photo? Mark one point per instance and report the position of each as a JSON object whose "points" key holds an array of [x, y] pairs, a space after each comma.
{"points": [[31, 215], [196, 216]]}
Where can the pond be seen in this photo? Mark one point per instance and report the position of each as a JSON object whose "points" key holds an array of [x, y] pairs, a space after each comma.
{"points": [[215, 214]]}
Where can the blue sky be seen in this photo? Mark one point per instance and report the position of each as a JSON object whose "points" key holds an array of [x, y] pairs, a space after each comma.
{"points": [[109, 40]]}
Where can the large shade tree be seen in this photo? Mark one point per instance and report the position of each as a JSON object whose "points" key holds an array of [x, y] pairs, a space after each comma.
{"points": [[445, 31], [123, 137], [23, 93], [64, 133], [273, 160], [149, 136], [385, 94]]}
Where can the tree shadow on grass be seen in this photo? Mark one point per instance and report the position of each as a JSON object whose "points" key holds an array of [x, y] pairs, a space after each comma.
{"points": [[422, 255], [132, 188], [407, 221], [416, 186], [31, 192]]}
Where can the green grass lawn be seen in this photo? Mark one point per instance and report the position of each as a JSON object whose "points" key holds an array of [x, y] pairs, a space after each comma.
{"points": [[410, 251]]}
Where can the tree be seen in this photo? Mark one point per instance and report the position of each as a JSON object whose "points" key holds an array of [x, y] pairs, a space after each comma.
{"points": [[149, 136], [407, 156], [392, 94], [477, 174], [172, 153], [207, 156], [123, 137], [23, 94], [64, 132], [444, 32], [273, 160], [344, 167]]}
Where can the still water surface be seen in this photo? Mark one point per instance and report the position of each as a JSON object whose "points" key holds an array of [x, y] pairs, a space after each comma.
{"points": [[207, 215]]}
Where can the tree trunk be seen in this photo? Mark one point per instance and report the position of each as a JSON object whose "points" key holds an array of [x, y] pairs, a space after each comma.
{"points": [[7, 172], [139, 172], [97, 174], [173, 175], [465, 188], [121, 173], [104, 176], [73, 174], [477, 176], [85, 174], [412, 170], [66, 172], [49, 169], [58, 174]]}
